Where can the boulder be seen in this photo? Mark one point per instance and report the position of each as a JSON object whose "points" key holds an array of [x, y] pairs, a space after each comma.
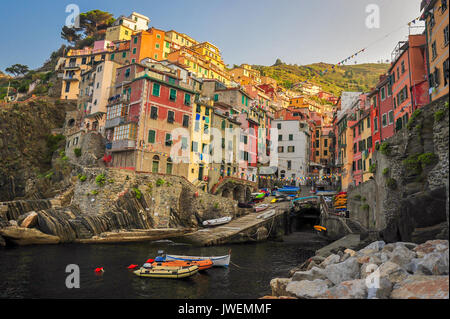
{"points": [[392, 271], [430, 246], [353, 289], [347, 270], [27, 236], [13, 223], [421, 287], [30, 221], [367, 269], [332, 259], [377, 245], [278, 286], [307, 289], [312, 274], [435, 263], [345, 257], [349, 251], [382, 290], [402, 255]]}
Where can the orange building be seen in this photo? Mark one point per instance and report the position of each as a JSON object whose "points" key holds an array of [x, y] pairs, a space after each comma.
{"points": [[147, 44], [437, 33]]}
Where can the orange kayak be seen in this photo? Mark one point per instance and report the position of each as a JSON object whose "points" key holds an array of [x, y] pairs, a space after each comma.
{"points": [[202, 264]]}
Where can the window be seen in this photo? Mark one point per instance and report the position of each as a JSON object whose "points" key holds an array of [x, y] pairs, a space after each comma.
{"points": [[154, 113], [187, 99], [127, 72], [206, 112], [134, 51], [167, 45], [170, 117], [279, 126], [280, 137], [216, 97], [391, 117], [291, 149], [291, 137], [325, 142], [280, 149], [368, 122], [135, 40], [375, 123], [317, 153], [355, 148], [369, 142], [403, 67], [197, 126], [223, 124], [156, 89], [198, 109], [384, 120], [354, 166], [317, 143], [325, 153], [446, 72], [67, 87], [173, 95], [383, 93], [151, 136], [289, 164], [436, 77], [443, 5], [112, 56], [186, 120], [359, 164], [194, 146], [168, 139], [206, 129], [433, 50], [446, 40]]}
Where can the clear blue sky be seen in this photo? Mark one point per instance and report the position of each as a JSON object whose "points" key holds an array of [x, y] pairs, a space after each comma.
{"points": [[246, 31]]}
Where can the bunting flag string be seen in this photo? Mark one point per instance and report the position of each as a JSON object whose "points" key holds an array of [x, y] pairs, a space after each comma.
{"points": [[342, 62]]}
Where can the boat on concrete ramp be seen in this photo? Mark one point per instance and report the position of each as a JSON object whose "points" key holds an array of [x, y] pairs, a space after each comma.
{"points": [[217, 222]]}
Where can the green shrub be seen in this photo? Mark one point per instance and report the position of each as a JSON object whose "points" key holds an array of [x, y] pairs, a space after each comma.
{"points": [[385, 148], [160, 182], [377, 146], [62, 153], [81, 177], [137, 193], [427, 159], [413, 164], [111, 181], [94, 192], [357, 197], [77, 152], [100, 179], [391, 183], [49, 175], [373, 168], [438, 115], [216, 205], [65, 158], [363, 199], [414, 115], [385, 171]]}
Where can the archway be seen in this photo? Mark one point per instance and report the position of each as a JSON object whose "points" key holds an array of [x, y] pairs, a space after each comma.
{"points": [[155, 164]]}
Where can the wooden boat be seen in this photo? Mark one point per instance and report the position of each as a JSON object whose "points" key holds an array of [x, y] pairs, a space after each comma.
{"points": [[218, 261], [202, 264], [266, 215], [216, 222], [166, 272], [262, 207]]}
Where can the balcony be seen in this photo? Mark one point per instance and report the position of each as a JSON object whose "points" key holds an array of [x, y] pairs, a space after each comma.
{"points": [[115, 122], [123, 145], [70, 78], [72, 66]]}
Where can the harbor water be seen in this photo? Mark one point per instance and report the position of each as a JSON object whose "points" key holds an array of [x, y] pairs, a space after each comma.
{"points": [[40, 271]]}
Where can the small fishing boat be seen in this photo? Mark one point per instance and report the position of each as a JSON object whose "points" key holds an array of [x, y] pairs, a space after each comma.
{"points": [[262, 207], [217, 222], [218, 261], [258, 195], [266, 215], [147, 270], [202, 264]]}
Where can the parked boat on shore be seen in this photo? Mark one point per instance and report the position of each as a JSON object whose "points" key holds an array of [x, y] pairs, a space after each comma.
{"points": [[266, 215], [261, 208], [217, 222]]}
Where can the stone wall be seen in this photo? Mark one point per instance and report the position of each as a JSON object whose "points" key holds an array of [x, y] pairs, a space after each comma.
{"points": [[407, 199]]}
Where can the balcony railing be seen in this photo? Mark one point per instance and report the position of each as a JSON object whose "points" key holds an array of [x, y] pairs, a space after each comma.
{"points": [[115, 122], [72, 66], [123, 145]]}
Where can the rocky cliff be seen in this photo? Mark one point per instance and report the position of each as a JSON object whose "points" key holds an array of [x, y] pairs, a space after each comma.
{"points": [[407, 200]]}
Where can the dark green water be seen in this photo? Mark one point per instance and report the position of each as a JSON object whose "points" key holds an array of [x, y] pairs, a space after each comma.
{"points": [[40, 271]]}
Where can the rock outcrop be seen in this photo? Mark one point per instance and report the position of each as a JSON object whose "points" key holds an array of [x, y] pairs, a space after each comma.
{"points": [[399, 270]]}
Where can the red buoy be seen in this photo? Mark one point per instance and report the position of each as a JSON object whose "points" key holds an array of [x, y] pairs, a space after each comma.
{"points": [[132, 266], [150, 261], [98, 270]]}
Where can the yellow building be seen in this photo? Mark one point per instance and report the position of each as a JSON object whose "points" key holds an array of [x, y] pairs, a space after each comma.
{"points": [[200, 142], [210, 53], [200, 67], [119, 33], [245, 75], [174, 41]]}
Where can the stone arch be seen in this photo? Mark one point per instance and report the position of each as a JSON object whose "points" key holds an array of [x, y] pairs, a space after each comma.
{"points": [[226, 192], [248, 194], [71, 122], [239, 193]]}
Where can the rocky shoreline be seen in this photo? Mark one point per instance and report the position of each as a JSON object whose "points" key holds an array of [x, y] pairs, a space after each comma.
{"points": [[398, 270]]}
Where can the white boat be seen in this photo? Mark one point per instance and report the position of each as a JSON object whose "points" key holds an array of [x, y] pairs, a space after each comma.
{"points": [[216, 222], [218, 261], [266, 215], [262, 207]]}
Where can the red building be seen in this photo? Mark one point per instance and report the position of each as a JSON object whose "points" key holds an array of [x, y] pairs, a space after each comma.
{"points": [[409, 78]]}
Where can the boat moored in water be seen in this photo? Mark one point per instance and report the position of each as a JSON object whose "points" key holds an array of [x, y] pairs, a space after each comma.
{"points": [[147, 270]]}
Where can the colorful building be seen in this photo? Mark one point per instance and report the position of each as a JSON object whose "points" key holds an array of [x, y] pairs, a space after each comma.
{"points": [[435, 14], [147, 44]]}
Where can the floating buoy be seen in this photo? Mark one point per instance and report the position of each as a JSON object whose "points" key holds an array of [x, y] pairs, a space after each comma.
{"points": [[319, 228], [99, 270], [132, 266], [150, 261]]}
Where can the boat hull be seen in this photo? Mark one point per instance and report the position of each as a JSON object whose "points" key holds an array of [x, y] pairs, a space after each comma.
{"points": [[218, 261], [201, 264], [167, 272]]}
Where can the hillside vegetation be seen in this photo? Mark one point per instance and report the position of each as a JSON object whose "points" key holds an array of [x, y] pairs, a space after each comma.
{"points": [[358, 77]]}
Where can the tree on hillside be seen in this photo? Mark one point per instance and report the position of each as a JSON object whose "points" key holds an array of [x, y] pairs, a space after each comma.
{"points": [[17, 69], [278, 62], [71, 35], [95, 20]]}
